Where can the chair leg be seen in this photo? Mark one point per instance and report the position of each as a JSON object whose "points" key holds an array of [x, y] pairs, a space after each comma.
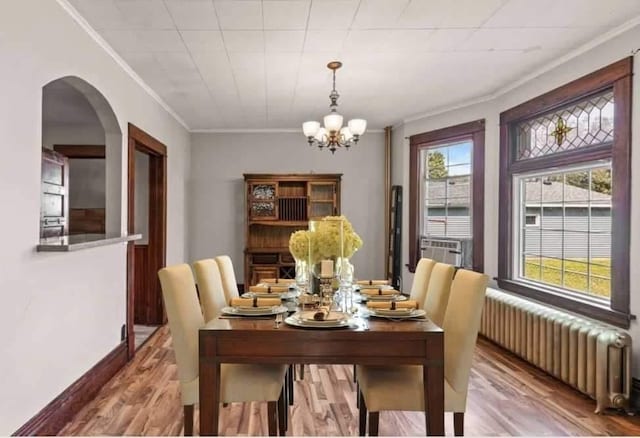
{"points": [[301, 371], [458, 423], [355, 378], [188, 420], [282, 413], [357, 396], [292, 376], [374, 418], [362, 416], [272, 418]]}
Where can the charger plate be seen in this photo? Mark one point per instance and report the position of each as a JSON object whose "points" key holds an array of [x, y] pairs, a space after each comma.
{"points": [[253, 311]]}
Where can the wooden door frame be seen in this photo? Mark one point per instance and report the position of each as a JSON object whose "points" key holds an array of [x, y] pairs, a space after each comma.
{"points": [[145, 143]]}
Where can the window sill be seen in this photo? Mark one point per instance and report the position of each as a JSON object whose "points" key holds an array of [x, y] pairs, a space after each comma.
{"points": [[588, 309], [81, 241]]}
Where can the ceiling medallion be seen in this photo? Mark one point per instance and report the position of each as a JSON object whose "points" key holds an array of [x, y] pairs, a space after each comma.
{"points": [[333, 135]]}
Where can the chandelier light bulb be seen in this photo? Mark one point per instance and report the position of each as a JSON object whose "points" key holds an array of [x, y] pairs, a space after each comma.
{"points": [[346, 134], [333, 122], [310, 129], [321, 135], [357, 126]]}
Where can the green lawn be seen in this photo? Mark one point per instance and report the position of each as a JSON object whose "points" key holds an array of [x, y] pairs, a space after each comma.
{"points": [[575, 274]]}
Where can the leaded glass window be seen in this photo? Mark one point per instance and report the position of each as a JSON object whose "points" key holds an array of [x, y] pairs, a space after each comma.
{"points": [[586, 123]]}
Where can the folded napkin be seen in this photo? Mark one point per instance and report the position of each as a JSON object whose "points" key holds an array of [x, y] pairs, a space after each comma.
{"points": [[389, 305], [269, 289], [321, 314], [254, 302], [379, 291], [373, 282], [277, 280]]}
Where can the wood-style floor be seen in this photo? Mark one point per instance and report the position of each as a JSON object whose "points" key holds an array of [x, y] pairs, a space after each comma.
{"points": [[507, 396]]}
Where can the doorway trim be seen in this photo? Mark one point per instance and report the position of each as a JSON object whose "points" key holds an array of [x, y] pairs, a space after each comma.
{"points": [[143, 142]]}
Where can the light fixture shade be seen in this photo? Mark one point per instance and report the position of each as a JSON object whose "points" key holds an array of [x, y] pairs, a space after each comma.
{"points": [[346, 133], [310, 129], [333, 122], [321, 135], [357, 126]]}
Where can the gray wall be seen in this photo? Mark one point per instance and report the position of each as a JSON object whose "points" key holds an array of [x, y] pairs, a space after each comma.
{"points": [[217, 189]]}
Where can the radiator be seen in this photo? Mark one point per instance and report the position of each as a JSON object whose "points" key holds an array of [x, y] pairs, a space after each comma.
{"points": [[593, 357]]}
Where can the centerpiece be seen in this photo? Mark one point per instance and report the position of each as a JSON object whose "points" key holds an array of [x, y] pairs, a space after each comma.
{"points": [[299, 248]]}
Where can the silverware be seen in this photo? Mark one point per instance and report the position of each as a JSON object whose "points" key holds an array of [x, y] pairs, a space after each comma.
{"points": [[279, 319]]}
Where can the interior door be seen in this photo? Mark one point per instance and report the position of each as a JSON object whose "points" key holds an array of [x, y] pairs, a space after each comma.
{"points": [[54, 199]]}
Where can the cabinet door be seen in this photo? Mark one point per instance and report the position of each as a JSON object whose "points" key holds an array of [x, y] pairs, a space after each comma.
{"points": [[322, 199], [260, 272], [262, 201], [54, 198]]}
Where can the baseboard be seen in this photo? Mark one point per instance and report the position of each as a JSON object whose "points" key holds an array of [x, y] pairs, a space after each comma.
{"points": [[53, 417], [635, 393]]}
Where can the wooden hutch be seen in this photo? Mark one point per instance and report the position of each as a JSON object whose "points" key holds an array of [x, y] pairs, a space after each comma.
{"points": [[278, 205]]}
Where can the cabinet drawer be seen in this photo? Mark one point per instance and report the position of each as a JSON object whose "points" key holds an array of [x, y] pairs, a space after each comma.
{"points": [[264, 259]]}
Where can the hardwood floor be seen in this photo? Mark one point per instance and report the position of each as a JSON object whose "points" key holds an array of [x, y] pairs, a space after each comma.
{"points": [[507, 396]]}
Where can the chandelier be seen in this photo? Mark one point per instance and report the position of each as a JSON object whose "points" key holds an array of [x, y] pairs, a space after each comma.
{"points": [[333, 135]]}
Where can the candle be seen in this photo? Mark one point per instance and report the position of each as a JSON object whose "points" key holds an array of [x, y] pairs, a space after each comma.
{"points": [[326, 269]]}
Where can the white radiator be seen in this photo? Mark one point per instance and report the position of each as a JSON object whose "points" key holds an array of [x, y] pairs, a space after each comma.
{"points": [[593, 357]]}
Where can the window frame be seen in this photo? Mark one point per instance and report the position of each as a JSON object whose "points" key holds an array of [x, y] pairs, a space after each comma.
{"points": [[474, 131], [616, 77]]}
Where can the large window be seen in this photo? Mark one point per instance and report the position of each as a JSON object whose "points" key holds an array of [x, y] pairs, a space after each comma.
{"points": [[564, 201], [447, 188]]}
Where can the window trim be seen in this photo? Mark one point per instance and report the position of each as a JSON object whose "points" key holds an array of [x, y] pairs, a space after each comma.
{"points": [[426, 140], [617, 77]]}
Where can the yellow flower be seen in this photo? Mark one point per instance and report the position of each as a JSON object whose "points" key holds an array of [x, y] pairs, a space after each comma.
{"points": [[333, 237], [299, 244]]}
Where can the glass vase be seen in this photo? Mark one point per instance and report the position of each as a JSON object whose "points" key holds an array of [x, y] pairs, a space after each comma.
{"points": [[326, 248], [302, 275]]}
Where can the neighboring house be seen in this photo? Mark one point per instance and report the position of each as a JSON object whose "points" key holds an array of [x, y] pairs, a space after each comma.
{"points": [[447, 214]]}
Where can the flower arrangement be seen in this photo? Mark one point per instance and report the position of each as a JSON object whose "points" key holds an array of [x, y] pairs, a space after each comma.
{"points": [[299, 244], [332, 237]]}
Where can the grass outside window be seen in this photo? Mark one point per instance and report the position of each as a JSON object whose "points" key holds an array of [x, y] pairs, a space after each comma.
{"points": [[572, 274]]}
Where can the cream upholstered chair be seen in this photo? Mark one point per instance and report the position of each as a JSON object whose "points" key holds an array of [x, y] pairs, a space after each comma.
{"points": [[437, 297], [212, 296], [229, 282], [421, 280], [239, 383], [401, 388]]}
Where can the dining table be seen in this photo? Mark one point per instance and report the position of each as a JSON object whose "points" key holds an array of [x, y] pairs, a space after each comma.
{"points": [[368, 341]]}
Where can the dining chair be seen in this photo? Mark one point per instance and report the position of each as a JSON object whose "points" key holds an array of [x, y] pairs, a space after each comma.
{"points": [[384, 388], [437, 296], [421, 278], [239, 382], [229, 282]]}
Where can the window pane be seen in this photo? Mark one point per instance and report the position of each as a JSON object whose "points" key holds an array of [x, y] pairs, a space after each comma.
{"points": [[565, 230], [460, 154]]}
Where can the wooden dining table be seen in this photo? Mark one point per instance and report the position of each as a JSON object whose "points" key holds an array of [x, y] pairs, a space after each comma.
{"points": [[370, 342]]}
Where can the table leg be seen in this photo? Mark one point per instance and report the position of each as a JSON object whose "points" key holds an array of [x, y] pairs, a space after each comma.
{"points": [[433, 379], [209, 397]]}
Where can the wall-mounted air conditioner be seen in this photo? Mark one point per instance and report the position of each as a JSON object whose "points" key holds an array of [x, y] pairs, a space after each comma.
{"points": [[456, 252]]}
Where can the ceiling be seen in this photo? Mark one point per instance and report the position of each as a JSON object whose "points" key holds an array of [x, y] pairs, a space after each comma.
{"points": [[252, 64]]}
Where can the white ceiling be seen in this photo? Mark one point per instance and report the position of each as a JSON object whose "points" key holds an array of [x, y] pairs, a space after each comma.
{"points": [[255, 64]]}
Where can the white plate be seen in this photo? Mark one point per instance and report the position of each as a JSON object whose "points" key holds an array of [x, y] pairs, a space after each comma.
{"points": [[243, 312], [282, 295], [389, 312], [417, 313], [294, 321], [288, 285], [373, 286], [366, 297]]}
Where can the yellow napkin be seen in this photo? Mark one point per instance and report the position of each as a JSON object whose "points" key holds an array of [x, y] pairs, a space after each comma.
{"points": [[277, 280], [370, 291], [409, 304], [373, 282], [260, 302], [269, 289]]}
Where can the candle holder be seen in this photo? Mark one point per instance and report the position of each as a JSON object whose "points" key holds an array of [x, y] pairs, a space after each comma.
{"points": [[326, 292]]}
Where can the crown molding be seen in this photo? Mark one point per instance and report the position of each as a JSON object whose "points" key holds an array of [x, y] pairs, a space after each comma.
{"points": [[263, 131], [84, 24], [540, 71]]}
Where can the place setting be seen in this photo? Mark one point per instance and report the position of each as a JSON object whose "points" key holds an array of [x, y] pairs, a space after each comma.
{"points": [[253, 307], [395, 310], [281, 289]]}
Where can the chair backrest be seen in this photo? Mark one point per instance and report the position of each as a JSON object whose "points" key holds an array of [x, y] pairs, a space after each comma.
{"points": [[229, 282], [461, 324], [212, 296], [435, 303], [184, 315], [421, 279]]}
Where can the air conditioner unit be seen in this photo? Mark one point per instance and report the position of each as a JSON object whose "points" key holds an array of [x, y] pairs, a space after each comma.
{"points": [[456, 252]]}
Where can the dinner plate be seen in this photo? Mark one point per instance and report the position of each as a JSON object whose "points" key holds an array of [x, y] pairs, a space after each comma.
{"points": [[297, 322], [244, 312], [287, 285], [282, 295], [365, 297], [389, 312], [380, 313], [373, 286]]}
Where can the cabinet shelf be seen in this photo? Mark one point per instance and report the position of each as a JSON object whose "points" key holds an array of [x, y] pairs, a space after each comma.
{"points": [[276, 223]]}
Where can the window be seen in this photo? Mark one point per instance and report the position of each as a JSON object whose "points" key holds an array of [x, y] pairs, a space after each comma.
{"points": [[447, 187], [446, 192], [565, 193]]}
